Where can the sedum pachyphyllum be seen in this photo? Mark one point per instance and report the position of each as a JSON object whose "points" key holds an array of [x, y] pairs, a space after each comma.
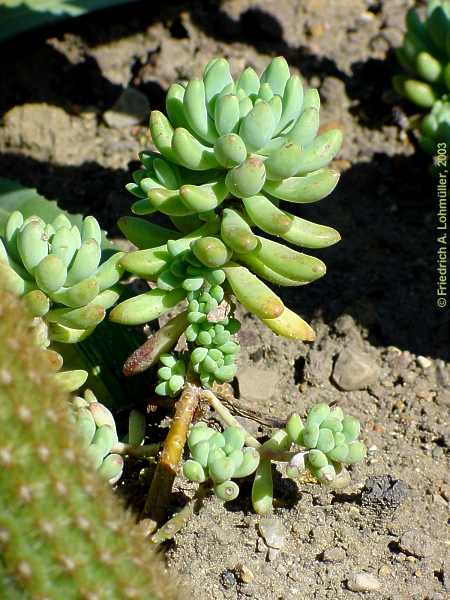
{"points": [[231, 153], [97, 428], [325, 445], [64, 277], [425, 57], [435, 126]]}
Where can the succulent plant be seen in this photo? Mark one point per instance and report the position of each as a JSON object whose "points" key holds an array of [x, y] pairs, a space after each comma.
{"points": [[97, 428], [64, 278], [435, 126], [229, 153], [425, 55], [58, 269], [62, 532], [221, 457], [329, 437], [191, 272]]}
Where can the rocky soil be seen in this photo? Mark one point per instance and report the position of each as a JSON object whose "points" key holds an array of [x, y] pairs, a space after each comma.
{"points": [[73, 116]]}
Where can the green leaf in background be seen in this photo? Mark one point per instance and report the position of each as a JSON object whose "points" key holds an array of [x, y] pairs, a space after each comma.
{"points": [[13, 196], [17, 16]]}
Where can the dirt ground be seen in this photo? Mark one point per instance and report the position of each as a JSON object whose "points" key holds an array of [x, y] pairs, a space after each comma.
{"points": [[382, 347]]}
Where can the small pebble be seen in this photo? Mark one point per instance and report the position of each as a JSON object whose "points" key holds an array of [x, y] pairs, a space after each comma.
{"points": [[273, 554], [333, 555], [354, 370], [363, 582], [273, 532], [244, 574], [227, 579], [424, 362], [415, 543]]}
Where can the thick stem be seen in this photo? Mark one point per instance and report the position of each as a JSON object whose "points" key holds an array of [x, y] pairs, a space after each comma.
{"points": [[227, 418], [127, 449], [181, 518], [166, 470], [281, 456]]}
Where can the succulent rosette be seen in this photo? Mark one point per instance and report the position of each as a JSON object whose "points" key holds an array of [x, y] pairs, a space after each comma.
{"points": [[425, 55], [331, 439], [230, 153], [61, 272]]}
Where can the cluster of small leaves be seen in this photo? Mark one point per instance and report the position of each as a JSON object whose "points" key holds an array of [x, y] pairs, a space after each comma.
{"points": [[329, 442], [97, 428], [331, 439], [211, 350], [220, 457], [57, 267], [425, 56]]}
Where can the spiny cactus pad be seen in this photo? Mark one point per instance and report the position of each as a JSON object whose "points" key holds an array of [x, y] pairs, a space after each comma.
{"points": [[62, 532], [58, 269], [425, 55]]}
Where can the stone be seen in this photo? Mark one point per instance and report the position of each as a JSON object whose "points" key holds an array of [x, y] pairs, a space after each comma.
{"points": [[257, 384], [273, 532], [333, 555], [273, 554], [228, 579], [50, 134], [424, 362], [243, 573], [354, 370], [383, 493], [415, 543], [131, 108], [363, 582]]}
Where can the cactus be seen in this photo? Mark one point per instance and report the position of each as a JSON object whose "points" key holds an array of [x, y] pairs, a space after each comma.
{"points": [[229, 152], [62, 533], [329, 437], [425, 57]]}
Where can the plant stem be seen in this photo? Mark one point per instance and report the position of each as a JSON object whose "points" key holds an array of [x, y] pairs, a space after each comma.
{"points": [[281, 456], [166, 470], [227, 418], [181, 518], [148, 450]]}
